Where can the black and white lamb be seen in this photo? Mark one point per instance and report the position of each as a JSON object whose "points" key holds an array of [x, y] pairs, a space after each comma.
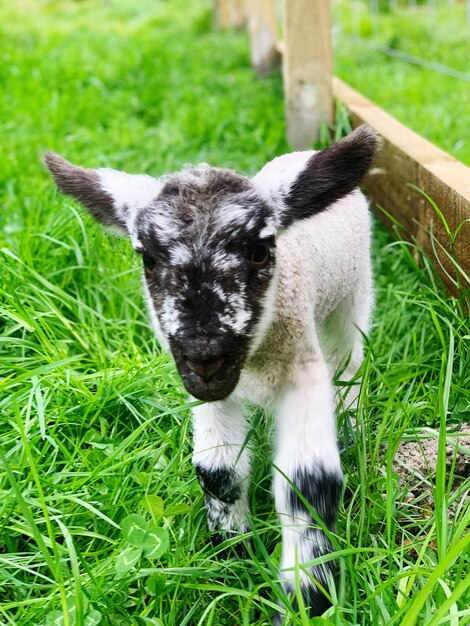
{"points": [[261, 289]]}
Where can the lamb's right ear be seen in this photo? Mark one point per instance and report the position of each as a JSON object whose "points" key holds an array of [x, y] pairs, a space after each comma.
{"points": [[330, 174], [112, 197]]}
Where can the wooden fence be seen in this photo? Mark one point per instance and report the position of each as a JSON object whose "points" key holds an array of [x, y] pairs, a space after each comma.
{"points": [[407, 167]]}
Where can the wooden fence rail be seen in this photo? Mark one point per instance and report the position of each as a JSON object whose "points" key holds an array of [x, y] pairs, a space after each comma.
{"points": [[406, 164]]}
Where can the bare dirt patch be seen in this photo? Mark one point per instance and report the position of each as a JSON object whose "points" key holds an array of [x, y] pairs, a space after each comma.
{"points": [[415, 461]]}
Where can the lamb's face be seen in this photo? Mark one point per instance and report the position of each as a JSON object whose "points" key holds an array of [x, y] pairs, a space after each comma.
{"points": [[208, 250]]}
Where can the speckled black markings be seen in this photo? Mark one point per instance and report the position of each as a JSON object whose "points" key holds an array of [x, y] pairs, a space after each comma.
{"points": [[215, 511], [221, 491], [321, 489], [219, 183], [220, 483]]}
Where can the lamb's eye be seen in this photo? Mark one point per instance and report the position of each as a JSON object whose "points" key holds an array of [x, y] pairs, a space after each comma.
{"points": [[260, 254], [148, 261]]}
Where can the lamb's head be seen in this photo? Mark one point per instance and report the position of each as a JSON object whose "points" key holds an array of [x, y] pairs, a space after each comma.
{"points": [[207, 241], [207, 237]]}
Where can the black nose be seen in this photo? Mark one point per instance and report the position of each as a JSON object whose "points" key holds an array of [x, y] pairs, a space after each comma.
{"points": [[207, 368]]}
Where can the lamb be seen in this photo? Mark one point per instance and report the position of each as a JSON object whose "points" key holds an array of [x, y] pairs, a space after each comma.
{"points": [[261, 289]]}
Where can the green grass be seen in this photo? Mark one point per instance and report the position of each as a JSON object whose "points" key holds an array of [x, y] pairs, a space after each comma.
{"points": [[95, 425], [434, 105]]}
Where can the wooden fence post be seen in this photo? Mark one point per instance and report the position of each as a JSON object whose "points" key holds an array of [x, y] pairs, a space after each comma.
{"points": [[231, 13], [262, 28], [307, 67]]}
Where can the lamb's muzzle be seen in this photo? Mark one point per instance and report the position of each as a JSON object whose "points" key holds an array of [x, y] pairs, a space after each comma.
{"points": [[209, 367], [261, 290], [206, 369]]}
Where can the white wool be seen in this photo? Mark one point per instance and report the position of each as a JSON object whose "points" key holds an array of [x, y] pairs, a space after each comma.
{"points": [[130, 192], [276, 177]]}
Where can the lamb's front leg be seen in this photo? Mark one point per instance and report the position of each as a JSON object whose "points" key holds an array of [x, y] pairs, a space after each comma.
{"points": [[222, 462], [307, 457]]}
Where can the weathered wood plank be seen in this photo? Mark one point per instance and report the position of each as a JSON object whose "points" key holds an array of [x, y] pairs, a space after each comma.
{"points": [[407, 159], [307, 66], [262, 27], [231, 13]]}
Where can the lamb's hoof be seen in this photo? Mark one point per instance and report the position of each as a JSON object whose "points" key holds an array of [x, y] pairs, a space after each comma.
{"points": [[238, 549], [276, 621], [316, 603]]}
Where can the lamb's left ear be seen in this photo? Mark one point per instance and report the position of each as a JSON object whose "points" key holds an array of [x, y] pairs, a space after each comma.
{"points": [[112, 197], [330, 174]]}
